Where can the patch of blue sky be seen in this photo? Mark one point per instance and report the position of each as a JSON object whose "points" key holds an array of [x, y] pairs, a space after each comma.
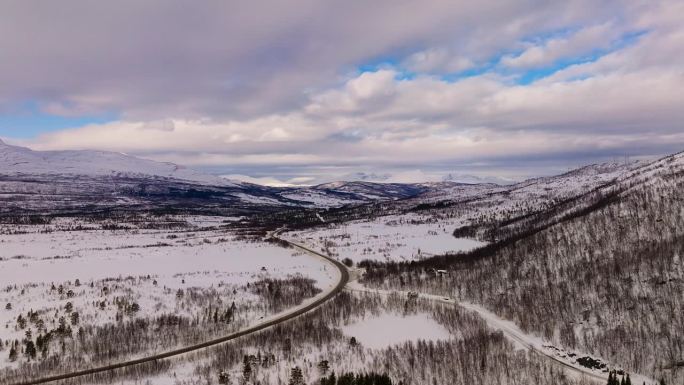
{"points": [[387, 63], [516, 76], [28, 121], [532, 75]]}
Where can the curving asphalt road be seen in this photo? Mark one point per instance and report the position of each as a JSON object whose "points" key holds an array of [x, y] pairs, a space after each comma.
{"points": [[293, 313]]}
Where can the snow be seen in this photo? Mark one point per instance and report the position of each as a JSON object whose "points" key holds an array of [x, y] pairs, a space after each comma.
{"points": [[405, 237], [317, 198], [212, 260], [391, 329], [523, 340], [99, 254], [520, 339], [20, 160], [259, 200]]}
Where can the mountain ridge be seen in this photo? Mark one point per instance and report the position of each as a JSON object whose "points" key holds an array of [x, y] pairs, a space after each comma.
{"points": [[110, 179], [16, 160]]}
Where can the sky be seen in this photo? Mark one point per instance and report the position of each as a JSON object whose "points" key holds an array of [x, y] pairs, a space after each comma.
{"points": [[309, 91]]}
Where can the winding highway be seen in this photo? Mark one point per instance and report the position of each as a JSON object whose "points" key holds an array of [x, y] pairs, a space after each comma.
{"points": [[510, 331], [280, 318]]}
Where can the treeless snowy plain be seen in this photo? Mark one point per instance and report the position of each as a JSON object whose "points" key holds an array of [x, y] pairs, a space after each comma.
{"points": [[96, 254], [387, 329]]}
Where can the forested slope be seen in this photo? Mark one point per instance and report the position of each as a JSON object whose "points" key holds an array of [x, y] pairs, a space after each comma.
{"points": [[603, 278]]}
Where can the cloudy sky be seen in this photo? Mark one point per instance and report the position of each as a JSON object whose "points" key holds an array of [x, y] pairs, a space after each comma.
{"points": [[308, 91]]}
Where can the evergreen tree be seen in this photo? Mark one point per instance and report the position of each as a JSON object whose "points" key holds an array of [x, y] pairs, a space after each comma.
{"points": [[223, 378], [323, 367], [13, 353], [330, 380], [296, 376], [134, 308], [30, 349], [75, 318], [21, 321], [246, 369]]}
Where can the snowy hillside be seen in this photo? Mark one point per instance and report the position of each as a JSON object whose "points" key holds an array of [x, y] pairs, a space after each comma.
{"points": [[598, 273], [16, 160]]}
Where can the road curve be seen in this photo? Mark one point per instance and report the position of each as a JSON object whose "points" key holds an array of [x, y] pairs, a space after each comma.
{"points": [[293, 313], [511, 334]]}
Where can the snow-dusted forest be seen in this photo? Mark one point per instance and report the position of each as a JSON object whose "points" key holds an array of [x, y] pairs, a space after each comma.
{"points": [[564, 279]]}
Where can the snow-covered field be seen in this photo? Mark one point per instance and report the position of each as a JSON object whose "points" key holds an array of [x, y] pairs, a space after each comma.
{"points": [[110, 276], [398, 238], [97, 254], [387, 329]]}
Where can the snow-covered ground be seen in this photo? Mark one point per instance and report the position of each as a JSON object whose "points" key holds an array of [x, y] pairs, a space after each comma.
{"points": [[398, 237], [376, 332], [100, 273], [523, 341], [97, 254], [387, 329]]}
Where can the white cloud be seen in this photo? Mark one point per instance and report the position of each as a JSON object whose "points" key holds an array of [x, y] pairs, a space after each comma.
{"points": [[437, 60], [278, 100], [582, 42], [157, 60]]}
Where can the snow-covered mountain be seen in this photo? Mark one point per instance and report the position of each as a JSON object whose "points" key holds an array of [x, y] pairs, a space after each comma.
{"points": [[42, 181], [68, 180], [474, 179], [16, 160], [374, 190], [421, 177]]}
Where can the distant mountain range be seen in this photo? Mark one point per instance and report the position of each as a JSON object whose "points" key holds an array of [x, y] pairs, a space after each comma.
{"points": [[48, 181], [64, 181], [451, 177]]}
